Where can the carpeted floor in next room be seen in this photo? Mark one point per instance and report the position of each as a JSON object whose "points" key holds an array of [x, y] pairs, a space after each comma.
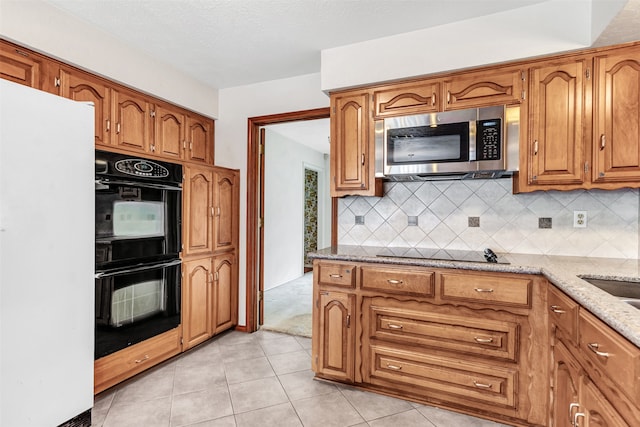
{"points": [[287, 308]]}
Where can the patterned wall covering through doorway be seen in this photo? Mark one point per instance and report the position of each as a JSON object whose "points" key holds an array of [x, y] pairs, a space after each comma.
{"points": [[310, 213]]}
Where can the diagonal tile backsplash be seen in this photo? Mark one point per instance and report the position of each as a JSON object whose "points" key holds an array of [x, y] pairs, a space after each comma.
{"points": [[475, 214]]}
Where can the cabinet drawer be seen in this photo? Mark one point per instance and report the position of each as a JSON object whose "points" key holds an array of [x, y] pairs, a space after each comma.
{"points": [[488, 383], [563, 312], [496, 290], [337, 274], [407, 99], [117, 367], [398, 280], [390, 320], [610, 353]]}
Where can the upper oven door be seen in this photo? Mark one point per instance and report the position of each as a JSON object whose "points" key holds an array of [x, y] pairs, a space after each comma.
{"points": [[136, 223]]}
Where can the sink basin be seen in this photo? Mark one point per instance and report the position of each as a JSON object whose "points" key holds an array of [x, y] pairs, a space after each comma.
{"points": [[627, 290]]}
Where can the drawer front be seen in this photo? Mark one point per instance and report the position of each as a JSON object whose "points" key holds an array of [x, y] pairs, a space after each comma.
{"points": [[610, 353], [336, 274], [117, 367], [407, 99], [563, 312], [500, 290], [492, 384], [394, 280], [477, 336]]}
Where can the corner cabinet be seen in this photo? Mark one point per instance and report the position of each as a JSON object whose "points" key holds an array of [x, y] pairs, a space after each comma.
{"points": [[352, 145], [595, 373]]}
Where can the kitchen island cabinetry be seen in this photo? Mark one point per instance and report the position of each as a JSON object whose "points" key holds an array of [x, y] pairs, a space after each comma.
{"points": [[352, 145], [467, 341], [594, 371]]}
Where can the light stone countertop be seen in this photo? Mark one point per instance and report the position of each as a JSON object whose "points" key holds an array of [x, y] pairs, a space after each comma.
{"points": [[562, 271]]}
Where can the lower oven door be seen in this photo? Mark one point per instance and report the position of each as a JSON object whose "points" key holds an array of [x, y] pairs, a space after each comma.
{"points": [[135, 303]]}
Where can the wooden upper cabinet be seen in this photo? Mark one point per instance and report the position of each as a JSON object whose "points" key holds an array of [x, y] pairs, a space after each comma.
{"points": [[226, 201], [407, 99], [480, 89], [20, 66], [131, 120], [169, 132], [617, 117], [198, 211], [352, 145], [80, 86], [199, 139], [557, 123]]}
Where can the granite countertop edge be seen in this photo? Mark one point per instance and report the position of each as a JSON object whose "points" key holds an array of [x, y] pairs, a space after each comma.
{"points": [[562, 271]]}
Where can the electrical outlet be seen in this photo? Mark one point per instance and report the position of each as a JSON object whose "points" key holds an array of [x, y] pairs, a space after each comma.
{"points": [[579, 219]]}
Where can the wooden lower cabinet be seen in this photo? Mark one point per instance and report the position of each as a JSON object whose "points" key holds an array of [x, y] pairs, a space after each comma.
{"points": [[117, 367], [594, 380], [420, 334]]}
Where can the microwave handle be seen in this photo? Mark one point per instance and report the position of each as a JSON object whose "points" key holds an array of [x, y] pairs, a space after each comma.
{"points": [[145, 267]]}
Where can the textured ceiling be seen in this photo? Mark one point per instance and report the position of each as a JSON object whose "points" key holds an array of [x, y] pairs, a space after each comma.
{"points": [[226, 43]]}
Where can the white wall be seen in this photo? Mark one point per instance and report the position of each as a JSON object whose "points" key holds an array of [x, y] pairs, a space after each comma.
{"points": [[285, 162], [237, 105], [45, 29], [545, 28]]}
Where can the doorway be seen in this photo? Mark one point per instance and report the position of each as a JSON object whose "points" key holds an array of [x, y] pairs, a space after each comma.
{"points": [[256, 208]]}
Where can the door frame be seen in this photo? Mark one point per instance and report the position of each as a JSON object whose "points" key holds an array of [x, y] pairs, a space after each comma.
{"points": [[255, 190]]}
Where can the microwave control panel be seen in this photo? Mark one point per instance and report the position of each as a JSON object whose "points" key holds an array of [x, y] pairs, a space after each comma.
{"points": [[488, 139]]}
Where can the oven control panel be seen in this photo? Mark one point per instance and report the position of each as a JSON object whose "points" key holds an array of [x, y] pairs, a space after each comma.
{"points": [[142, 168]]}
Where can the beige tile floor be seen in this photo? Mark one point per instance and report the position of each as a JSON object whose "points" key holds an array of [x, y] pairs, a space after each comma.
{"points": [[259, 379]]}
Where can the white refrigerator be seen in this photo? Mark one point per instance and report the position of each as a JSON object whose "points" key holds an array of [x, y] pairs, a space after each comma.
{"points": [[46, 258]]}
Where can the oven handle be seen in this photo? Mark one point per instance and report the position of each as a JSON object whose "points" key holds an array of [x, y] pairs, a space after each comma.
{"points": [[145, 267], [139, 184]]}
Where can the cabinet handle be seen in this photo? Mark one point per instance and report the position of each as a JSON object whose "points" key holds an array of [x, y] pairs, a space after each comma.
{"points": [[108, 125], [535, 147], [213, 212], [483, 290], [483, 340], [448, 97], [184, 144], [348, 320], [153, 148], [190, 145], [336, 276], [118, 128], [594, 347], [216, 277], [394, 367], [433, 99], [571, 408], [482, 385], [394, 326], [218, 211], [575, 418], [146, 356], [603, 141], [394, 282], [557, 309], [362, 159], [56, 81]]}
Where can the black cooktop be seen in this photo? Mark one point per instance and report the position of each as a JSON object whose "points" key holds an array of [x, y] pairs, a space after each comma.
{"points": [[444, 255]]}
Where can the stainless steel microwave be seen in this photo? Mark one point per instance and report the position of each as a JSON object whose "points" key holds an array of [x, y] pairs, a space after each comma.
{"points": [[476, 143]]}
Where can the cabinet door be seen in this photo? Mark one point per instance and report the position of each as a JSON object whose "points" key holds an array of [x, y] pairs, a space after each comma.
{"points": [[225, 292], [199, 139], [226, 206], [565, 386], [407, 99], [20, 66], [168, 136], [132, 125], [484, 88], [595, 410], [198, 211], [352, 159], [617, 117], [84, 87], [556, 123], [336, 332], [196, 302]]}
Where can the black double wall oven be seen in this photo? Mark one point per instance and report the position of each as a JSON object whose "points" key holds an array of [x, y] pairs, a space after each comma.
{"points": [[138, 241]]}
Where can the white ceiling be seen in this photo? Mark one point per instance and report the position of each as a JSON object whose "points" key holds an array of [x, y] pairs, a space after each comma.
{"points": [[227, 43]]}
